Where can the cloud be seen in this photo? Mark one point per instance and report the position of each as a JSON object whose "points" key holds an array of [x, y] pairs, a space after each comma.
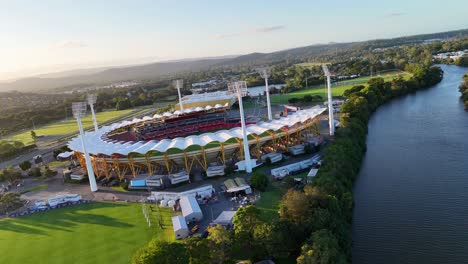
{"points": [[259, 30], [396, 14], [69, 44], [268, 29]]}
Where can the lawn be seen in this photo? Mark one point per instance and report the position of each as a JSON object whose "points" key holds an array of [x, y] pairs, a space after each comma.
{"points": [[337, 88], [69, 126], [36, 188], [89, 233], [269, 201]]}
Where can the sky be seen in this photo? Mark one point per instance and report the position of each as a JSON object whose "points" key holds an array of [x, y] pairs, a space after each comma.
{"points": [[57, 35]]}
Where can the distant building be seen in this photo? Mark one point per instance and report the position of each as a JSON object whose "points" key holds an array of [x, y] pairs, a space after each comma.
{"points": [[455, 55]]}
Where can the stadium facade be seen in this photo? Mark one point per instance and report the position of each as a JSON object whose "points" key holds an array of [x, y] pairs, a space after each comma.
{"points": [[181, 140]]}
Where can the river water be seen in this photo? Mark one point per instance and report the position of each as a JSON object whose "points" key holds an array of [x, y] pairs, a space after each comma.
{"points": [[411, 196]]}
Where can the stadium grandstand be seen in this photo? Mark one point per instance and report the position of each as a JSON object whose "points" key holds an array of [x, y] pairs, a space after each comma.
{"points": [[171, 145]]}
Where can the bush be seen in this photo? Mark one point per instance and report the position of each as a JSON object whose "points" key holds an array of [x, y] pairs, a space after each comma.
{"points": [[308, 98], [124, 185], [35, 172], [25, 165], [259, 181], [294, 100], [48, 173]]}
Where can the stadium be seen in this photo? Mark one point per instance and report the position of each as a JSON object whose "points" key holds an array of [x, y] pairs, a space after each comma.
{"points": [[162, 150]]}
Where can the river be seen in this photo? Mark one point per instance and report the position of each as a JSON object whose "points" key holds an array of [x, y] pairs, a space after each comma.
{"points": [[411, 196]]}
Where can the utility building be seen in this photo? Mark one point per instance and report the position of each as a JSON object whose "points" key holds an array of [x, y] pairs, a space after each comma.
{"points": [[190, 209]]}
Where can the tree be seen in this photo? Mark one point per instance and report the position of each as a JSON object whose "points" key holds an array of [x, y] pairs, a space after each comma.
{"points": [[220, 242], [198, 250], [161, 252], [9, 201], [25, 165], [33, 136], [123, 104], [294, 206], [244, 221], [10, 175], [279, 239], [259, 181], [324, 249]]}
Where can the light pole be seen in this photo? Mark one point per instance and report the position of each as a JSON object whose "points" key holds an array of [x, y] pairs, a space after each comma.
{"points": [[265, 73], [79, 111], [92, 98], [178, 85], [240, 90], [331, 121]]}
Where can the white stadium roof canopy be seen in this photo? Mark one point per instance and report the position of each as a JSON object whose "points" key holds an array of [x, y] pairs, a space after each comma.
{"points": [[96, 142]]}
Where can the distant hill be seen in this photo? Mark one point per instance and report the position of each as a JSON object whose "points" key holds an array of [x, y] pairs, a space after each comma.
{"points": [[161, 69]]}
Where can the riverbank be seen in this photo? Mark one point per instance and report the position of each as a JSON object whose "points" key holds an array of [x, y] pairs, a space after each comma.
{"points": [[464, 90], [410, 195], [343, 159]]}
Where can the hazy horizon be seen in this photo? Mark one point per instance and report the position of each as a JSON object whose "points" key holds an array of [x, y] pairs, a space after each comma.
{"points": [[48, 36]]}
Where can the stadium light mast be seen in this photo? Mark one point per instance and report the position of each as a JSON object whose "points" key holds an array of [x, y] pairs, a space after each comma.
{"points": [[178, 85], [91, 99], [239, 89], [79, 111], [331, 121], [265, 73]]}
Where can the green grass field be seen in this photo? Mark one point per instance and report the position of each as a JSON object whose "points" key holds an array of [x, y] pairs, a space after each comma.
{"points": [[89, 233], [337, 88], [65, 127], [269, 201]]}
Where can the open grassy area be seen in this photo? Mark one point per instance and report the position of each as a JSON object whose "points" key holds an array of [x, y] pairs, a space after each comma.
{"points": [[36, 188], [337, 88], [88, 233], [269, 201], [65, 127]]}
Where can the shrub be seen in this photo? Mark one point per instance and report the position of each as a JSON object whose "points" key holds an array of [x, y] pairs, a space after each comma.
{"points": [[294, 100], [25, 165], [35, 172], [48, 173], [124, 185], [308, 98]]}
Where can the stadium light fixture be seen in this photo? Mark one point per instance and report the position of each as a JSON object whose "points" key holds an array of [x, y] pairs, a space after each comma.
{"points": [[239, 89], [265, 73], [331, 121], [178, 84], [91, 99], [79, 111]]}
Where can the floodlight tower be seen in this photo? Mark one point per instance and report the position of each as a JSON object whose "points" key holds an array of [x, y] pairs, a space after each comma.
{"points": [[178, 85], [92, 98], [265, 73], [79, 111], [331, 121], [239, 89]]}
